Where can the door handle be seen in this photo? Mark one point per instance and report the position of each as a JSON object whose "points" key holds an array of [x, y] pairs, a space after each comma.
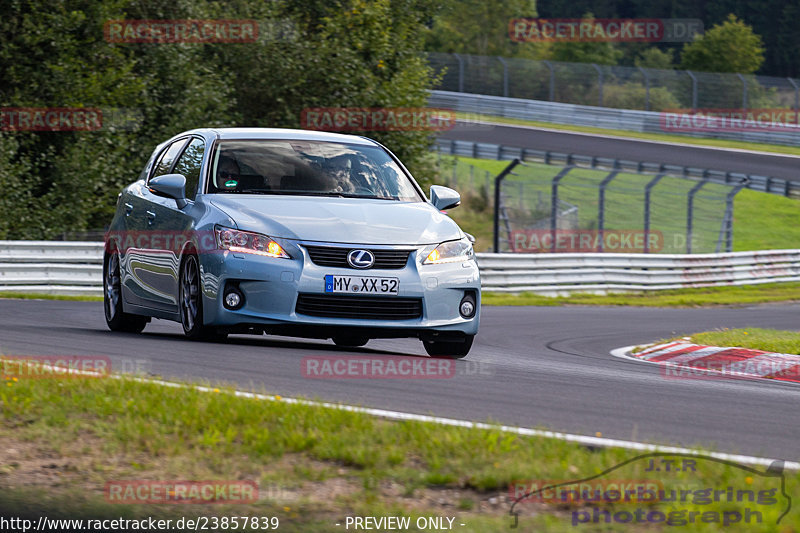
{"points": [[151, 216], [128, 209]]}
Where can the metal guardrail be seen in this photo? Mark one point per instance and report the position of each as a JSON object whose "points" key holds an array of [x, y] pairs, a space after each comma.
{"points": [[586, 115], [755, 182], [47, 267], [553, 274], [75, 268]]}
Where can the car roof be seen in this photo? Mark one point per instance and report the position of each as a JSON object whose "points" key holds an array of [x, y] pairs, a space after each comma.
{"points": [[283, 133]]}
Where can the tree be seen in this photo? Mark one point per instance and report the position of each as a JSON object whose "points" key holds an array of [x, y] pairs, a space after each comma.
{"points": [[481, 28], [602, 53], [656, 59], [728, 47], [54, 54]]}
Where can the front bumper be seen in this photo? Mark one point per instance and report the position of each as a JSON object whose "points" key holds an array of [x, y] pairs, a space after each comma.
{"points": [[271, 287]]}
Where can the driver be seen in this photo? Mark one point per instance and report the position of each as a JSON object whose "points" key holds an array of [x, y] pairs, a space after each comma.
{"points": [[227, 171], [339, 173]]}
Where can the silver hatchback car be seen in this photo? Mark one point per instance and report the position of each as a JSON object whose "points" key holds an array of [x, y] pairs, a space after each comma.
{"points": [[290, 232]]}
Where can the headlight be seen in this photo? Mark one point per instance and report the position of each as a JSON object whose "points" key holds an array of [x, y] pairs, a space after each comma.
{"points": [[450, 252], [248, 242]]}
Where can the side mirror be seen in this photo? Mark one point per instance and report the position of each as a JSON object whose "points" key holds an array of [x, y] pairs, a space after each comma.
{"points": [[170, 186], [444, 197]]}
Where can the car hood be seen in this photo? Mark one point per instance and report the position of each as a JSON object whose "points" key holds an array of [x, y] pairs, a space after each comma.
{"points": [[343, 220]]}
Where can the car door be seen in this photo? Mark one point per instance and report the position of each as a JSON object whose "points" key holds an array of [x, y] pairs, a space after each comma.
{"points": [[174, 225], [155, 268], [133, 238]]}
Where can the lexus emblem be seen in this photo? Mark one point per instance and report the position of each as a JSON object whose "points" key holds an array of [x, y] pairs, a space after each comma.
{"points": [[360, 258]]}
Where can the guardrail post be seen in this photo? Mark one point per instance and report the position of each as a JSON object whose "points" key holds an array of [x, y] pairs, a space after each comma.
{"points": [[554, 205], [647, 190], [646, 89], [726, 229], [549, 65], [505, 75], [460, 72], [744, 90], [694, 90], [689, 212], [497, 182], [599, 84], [601, 208], [796, 99]]}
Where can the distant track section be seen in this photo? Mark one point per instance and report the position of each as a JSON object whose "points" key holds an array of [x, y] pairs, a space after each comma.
{"points": [[724, 159]]}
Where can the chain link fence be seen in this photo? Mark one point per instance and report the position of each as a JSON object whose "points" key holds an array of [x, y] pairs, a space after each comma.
{"points": [[546, 208], [613, 86]]}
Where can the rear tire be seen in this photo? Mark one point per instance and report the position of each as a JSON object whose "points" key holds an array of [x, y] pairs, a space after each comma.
{"points": [[116, 319], [190, 301], [449, 349], [350, 341]]}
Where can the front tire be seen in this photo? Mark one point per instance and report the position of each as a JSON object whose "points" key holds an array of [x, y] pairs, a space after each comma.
{"points": [[190, 299], [449, 349], [116, 319]]}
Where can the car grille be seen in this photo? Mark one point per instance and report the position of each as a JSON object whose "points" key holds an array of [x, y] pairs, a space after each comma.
{"points": [[332, 256], [366, 307]]}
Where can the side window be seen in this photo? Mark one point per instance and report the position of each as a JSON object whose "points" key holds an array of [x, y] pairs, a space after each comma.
{"points": [[189, 165], [167, 157]]}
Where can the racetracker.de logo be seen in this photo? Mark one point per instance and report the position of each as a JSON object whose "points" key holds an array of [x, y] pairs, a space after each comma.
{"points": [[369, 367], [50, 119], [714, 120], [180, 31], [585, 240], [175, 492], [592, 491], [377, 119], [54, 366], [537, 30]]}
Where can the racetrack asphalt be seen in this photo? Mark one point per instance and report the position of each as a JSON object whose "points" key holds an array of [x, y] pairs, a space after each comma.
{"points": [[530, 366], [764, 164]]}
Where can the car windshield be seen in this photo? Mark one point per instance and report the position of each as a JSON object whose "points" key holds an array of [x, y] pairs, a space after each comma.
{"points": [[308, 168]]}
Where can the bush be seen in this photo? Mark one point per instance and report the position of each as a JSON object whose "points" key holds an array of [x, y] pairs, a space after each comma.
{"points": [[634, 96]]}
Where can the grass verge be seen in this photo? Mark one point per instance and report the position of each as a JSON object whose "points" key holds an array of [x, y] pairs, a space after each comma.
{"points": [[660, 137], [37, 296], [63, 440], [769, 340], [700, 297]]}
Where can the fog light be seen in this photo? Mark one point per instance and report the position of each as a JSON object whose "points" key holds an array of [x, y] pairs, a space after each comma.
{"points": [[233, 298], [467, 307]]}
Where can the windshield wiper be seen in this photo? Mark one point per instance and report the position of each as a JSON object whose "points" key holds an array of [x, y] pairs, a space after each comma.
{"points": [[348, 195]]}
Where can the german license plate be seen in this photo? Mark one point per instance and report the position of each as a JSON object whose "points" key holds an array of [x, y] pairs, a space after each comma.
{"points": [[361, 285]]}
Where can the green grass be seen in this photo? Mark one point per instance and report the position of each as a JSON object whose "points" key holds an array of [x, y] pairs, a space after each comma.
{"points": [[764, 221], [661, 137], [700, 297], [114, 429], [37, 296], [769, 340]]}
